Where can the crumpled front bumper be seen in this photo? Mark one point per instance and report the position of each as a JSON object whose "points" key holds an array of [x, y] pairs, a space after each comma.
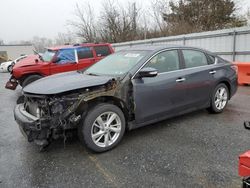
{"points": [[30, 126]]}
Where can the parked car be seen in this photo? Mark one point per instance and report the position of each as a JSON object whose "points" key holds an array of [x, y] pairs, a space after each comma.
{"points": [[56, 60], [126, 90], [7, 66]]}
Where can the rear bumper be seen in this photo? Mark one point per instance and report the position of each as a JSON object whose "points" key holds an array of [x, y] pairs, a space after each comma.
{"points": [[234, 87], [3, 68]]}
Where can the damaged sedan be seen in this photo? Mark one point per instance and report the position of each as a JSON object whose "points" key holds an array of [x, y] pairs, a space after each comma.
{"points": [[126, 90]]}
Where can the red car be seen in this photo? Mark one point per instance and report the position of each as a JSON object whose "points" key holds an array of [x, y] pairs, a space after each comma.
{"points": [[56, 60]]}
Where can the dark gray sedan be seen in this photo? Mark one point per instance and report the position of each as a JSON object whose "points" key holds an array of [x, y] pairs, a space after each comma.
{"points": [[126, 90]]}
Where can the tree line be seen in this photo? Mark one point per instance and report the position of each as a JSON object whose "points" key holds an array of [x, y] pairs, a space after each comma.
{"points": [[120, 23], [117, 23]]}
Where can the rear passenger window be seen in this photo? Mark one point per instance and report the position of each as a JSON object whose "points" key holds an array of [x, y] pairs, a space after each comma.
{"points": [[211, 59], [102, 51], [194, 58], [165, 61], [84, 53]]}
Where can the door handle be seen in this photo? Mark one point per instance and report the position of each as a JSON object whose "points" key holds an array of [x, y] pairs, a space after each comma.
{"points": [[181, 80], [212, 72]]}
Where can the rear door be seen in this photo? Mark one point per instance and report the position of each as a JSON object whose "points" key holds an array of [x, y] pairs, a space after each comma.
{"points": [[66, 61], [85, 57], [199, 77], [101, 52], [165, 94]]}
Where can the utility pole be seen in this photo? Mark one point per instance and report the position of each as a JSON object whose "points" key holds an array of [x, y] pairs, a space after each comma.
{"points": [[134, 19]]}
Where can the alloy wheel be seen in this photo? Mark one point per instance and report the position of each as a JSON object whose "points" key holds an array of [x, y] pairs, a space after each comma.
{"points": [[106, 129], [221, 97]]}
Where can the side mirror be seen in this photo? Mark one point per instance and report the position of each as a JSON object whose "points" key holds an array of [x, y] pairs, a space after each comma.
{"points": [[147, 72]]}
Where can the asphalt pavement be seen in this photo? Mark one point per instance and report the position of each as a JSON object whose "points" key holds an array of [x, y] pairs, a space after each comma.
{"points": [[194, 150]]}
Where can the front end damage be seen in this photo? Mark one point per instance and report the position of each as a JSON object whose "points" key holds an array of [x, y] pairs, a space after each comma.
{"points": [[42, 118]]}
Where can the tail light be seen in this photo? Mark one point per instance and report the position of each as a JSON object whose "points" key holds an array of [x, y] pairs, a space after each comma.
{"points": [[235, 67]]}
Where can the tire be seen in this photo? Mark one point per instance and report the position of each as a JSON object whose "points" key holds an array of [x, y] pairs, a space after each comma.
{"points": [[30, 79], [9, 69], [93, 123], [219, 104]]}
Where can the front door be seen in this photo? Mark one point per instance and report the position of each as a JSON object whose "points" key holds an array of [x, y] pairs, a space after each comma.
{"points": [[160, 96], [65, 60]]}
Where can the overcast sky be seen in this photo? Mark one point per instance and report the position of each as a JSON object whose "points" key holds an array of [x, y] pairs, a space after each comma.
{"points": [[23, 19]]}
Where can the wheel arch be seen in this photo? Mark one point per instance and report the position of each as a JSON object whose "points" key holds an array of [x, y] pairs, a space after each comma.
{"points": [[227, 83], [28, 75], [85, 106]]}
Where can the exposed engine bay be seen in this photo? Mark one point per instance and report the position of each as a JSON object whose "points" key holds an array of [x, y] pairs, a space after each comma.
{"points": [[55, 115]]}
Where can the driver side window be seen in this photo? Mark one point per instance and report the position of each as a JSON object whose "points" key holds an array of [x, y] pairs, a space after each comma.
{"points": [[65, 56], [165, 61]]}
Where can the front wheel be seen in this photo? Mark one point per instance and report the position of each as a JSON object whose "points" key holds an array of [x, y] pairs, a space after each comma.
{"points": [[30, 79], [102, 128], [219, 99], [10, 67]]}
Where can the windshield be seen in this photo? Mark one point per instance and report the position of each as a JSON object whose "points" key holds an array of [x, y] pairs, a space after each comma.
{"points": [[48, 55], [116, 64]]}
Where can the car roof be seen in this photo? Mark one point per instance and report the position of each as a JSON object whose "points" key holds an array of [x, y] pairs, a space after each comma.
{"points": [[77, 46], [155, 48]]}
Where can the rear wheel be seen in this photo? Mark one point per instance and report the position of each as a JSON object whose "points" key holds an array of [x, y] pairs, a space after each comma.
{"points": [[30, 79], [219, 98], [102, 128]]}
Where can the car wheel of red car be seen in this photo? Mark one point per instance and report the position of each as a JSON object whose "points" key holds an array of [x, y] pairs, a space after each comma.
{"points": [[30, 79], [103, 127]]}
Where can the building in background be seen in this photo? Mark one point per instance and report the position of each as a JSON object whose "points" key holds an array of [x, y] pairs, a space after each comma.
{"points": [[13, 51]]}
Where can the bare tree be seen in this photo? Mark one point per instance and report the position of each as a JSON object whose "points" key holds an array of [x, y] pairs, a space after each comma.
{"points": [[40, 43], [248, 17], [118, 23], [1, 42], [64, 38], [85, 23], [158, 8]]}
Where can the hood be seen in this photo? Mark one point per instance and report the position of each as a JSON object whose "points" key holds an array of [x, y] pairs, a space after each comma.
{"points": [[28, 61], [64, 82]]}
